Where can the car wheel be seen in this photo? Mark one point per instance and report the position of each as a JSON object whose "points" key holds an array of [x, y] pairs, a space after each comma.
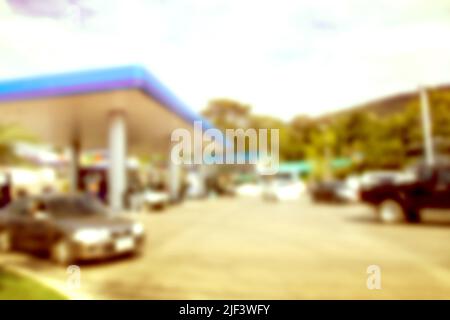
{"points": [[61, 252], [391, 211], [5, 241], [413, 216], [157, 207]]}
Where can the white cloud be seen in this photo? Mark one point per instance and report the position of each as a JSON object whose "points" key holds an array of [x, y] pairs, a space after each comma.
{"points": [[283, 57]]}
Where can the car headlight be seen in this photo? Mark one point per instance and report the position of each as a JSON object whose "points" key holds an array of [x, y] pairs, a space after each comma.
{"points": [[90, 236], [138, 228]]}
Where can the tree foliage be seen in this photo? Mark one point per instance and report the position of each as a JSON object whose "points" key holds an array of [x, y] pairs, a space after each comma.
{"points": [[370, 140], [9, 136]]}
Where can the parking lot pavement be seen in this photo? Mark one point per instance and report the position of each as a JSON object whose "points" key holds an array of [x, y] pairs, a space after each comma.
{"points": [[250, 249]]}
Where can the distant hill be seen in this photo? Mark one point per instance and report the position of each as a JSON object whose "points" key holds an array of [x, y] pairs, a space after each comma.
{"points": [[387, 105]]}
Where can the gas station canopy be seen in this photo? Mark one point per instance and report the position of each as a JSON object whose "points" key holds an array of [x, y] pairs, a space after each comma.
{"points": [[64, 108], [122, 110]]}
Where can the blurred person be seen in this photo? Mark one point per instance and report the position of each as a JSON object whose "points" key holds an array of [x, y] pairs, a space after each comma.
{"points": [[103, 188]]}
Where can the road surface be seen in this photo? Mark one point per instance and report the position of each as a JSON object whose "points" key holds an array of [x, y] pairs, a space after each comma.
{"points": [[250, 249]]}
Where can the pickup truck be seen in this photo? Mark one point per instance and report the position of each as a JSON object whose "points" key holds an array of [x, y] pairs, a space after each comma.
{"points": [[397, 201]]}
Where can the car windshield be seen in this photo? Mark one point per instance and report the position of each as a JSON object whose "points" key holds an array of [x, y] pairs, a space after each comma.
{"points": [[79, 205]]}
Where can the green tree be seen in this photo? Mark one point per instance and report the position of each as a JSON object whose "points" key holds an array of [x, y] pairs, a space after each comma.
{"points": [[266, 122], [9, 136], [227, 114], [300, 136]]}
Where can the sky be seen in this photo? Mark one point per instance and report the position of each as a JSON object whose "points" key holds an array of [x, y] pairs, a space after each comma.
{"points": [[282, 57]]}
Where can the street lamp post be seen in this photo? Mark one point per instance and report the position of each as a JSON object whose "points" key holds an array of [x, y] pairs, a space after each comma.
{"points": [[426, 127]]}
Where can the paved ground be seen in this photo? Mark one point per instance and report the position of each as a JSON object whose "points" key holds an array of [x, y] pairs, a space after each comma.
{"points": [[249, 249]]}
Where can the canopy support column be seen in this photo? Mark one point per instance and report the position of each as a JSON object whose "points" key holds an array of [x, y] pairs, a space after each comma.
{"points": [[174, 180], [74, 165], [117, 178]]}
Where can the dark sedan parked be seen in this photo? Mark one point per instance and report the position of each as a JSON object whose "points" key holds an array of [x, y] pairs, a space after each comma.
{"points": [[427, 187], [328, 191], [68, 228]]}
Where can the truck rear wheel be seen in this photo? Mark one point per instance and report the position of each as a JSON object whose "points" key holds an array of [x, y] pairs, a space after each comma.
{"points": [[391, 211], [413, 216]]}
